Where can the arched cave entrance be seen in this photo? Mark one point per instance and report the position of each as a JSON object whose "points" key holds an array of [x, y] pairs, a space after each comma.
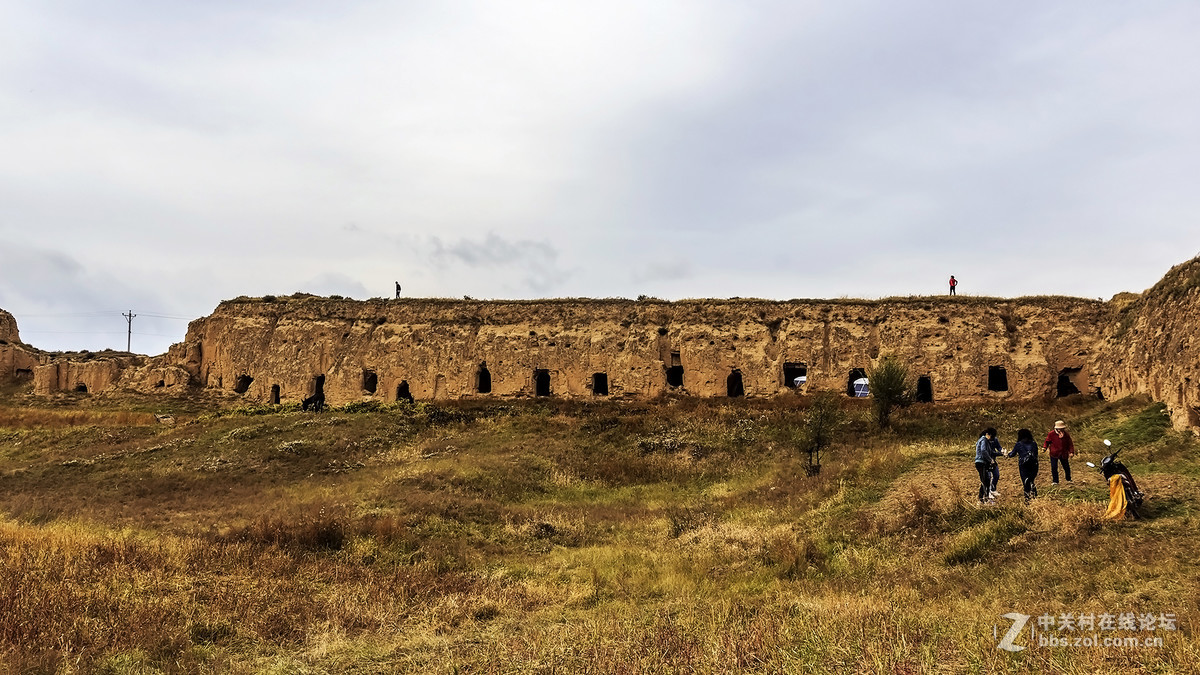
{"points": [[402, 393], [855, 374], [242, 384], [1067, 384], [483, 379], [792, 371], [541, 382], [370, 381], [997, 378], [733, 384], [81, 388], [675, 371], [274, 394], [600, 384], [924, 389]]}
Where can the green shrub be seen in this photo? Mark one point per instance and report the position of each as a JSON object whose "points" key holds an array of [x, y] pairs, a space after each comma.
{"points": [[889, 388], [368, 406], [821, 423]]}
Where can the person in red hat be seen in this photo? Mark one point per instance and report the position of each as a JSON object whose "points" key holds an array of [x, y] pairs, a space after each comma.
{"points": [[1062, 449]]}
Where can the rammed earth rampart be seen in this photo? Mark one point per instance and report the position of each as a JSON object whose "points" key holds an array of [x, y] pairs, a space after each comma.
{"points": [[278, 350], [450, 349]]}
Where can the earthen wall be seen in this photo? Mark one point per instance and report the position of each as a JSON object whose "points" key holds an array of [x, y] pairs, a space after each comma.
{"points": [[436, 349]]}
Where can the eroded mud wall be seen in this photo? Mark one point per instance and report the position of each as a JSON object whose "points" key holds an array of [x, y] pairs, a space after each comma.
{"points": [[89, 377], [8, 328], [436, 349], [16, 360], [1153, 345]]}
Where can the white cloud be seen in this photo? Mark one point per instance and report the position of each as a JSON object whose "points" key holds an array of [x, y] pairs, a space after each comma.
{"points": [[537, 148]]}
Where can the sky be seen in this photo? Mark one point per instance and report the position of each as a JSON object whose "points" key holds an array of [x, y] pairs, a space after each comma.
{"points": [[157, 158]]}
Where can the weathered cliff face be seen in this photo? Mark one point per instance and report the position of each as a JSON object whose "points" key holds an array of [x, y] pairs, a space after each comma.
{"points": [[1153, 345], [442, 349], [8, 328], [16, 360], [278, 350], [61, 373], [54, 372]]}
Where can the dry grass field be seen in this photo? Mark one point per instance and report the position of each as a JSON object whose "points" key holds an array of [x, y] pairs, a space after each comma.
{"points": [[675, 536]]}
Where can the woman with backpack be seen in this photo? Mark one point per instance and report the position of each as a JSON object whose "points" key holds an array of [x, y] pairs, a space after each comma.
{"points": [[987, 448], [1026, 450]]}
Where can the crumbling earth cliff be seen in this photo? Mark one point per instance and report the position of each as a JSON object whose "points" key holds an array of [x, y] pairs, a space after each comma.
{"points": [[1153, 344], [275, 350]]}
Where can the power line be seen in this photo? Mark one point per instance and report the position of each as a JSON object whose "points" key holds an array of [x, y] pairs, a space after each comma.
{"points": [[92, 332], [102, 314], [86, 315], [74, 332]]}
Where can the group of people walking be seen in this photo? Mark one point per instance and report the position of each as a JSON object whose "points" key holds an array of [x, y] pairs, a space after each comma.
{"points": [[1058, 445]]}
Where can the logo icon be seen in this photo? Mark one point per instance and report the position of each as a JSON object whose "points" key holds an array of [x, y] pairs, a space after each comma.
{"points": [[1019, 620]]}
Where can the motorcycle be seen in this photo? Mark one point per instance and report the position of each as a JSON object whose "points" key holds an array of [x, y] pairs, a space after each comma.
{"points": [[1110, 466]]}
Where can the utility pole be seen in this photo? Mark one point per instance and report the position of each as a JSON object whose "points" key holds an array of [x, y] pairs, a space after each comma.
{"points": [[129, 333]]}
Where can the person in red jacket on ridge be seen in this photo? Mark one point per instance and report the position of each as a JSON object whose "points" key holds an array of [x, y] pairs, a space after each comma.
{"points": [[1062, 449], [953, 284]]}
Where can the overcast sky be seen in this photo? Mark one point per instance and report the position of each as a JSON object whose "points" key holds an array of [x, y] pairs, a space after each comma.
{"points": [[162, 156]]}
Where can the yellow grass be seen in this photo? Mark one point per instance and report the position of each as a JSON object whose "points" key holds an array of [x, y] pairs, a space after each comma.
{"points": [[33, 418], [521, 539]]}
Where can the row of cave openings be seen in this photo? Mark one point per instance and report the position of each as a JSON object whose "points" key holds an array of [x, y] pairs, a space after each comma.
{"points": [[370, 383], [1066, 385], [794, 376], [541, 381]]}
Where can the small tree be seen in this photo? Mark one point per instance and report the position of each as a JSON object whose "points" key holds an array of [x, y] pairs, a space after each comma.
{"points": [[820, 425], [889, 388]]}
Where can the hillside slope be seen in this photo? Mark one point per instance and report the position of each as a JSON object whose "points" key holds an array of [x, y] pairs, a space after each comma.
{"points": [[564, 537]]}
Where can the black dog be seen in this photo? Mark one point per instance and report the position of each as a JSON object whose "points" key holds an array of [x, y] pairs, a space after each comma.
{"points": [[317, 401]]}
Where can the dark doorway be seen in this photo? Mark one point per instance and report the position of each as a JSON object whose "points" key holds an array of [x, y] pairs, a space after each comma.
{"points": [[733, 384], [855, 374], [483, 379], [242, 384], [318, 386], [370, 381], [997, 378], [81, 388], [23, 375], [541, 382], [1066, 383], [274, 394], [791, 371], [402, 393], [675, 376], [600, 384], [675, 371], [924, 389]]}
